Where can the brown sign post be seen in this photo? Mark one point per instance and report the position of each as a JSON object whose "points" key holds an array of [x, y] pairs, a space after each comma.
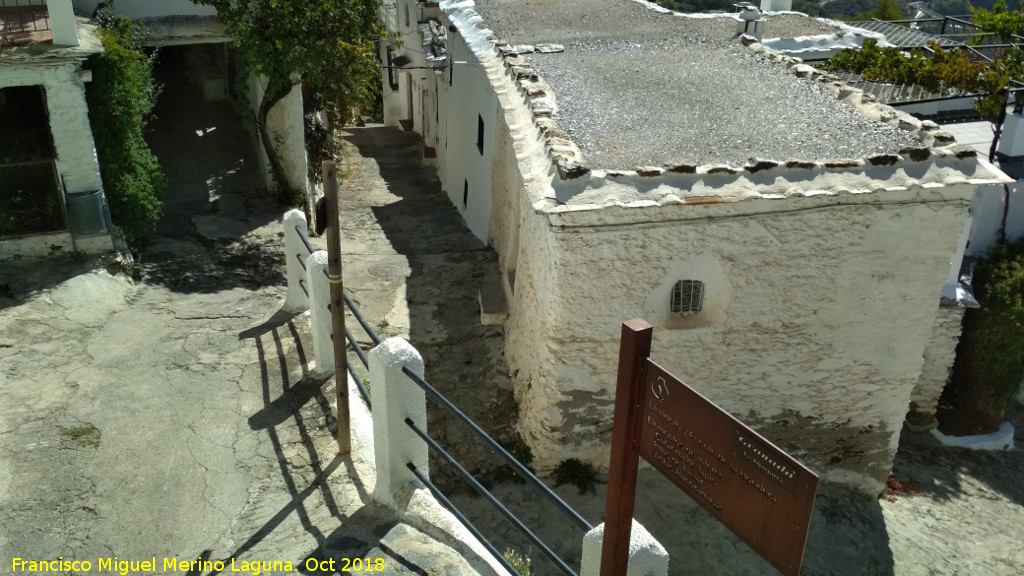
{"points": [[759, 492]]}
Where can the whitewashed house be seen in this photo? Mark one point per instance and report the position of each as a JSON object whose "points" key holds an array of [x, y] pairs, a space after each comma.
{"points": [[193, 37], [51, 195], [787, 236], [50, 189]]}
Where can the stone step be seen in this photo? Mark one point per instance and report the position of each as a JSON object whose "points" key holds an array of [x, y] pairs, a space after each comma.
{"points": [[374, 540], [493, 304]]}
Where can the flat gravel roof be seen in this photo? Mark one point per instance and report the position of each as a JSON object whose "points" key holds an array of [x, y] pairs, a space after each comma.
{"points": [[636, 87]]}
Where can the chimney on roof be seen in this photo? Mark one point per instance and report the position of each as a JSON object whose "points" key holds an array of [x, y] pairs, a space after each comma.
{"points": [[776, 5], [749, 22], [62, 22]]}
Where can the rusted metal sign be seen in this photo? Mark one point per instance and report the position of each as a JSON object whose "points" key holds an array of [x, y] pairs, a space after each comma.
{"points": [[752, 487]]}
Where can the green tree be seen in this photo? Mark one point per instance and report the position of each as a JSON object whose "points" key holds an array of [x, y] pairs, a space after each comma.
{"points": [[990, 357], [946, 71], [121, 98], [329, 45], [887, 10]]}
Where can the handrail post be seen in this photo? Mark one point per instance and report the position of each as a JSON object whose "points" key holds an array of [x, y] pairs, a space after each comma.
{"points": [[319, 315], [295, 300], [395, 397], [647, 557]]}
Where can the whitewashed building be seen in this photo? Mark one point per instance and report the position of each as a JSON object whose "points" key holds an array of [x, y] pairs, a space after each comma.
{"points": [[787, 236], [199, 44], [45, 46], [50, 189]]}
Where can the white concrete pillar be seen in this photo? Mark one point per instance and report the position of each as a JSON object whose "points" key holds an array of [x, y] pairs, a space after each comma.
{"points": [[1011, 142], [62, 22], [395, 397], [776, 5], [295, 300], [647, 557], [319, 315]]}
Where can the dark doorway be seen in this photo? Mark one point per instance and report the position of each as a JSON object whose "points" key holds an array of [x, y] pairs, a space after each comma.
{"points": [[30, 201]]}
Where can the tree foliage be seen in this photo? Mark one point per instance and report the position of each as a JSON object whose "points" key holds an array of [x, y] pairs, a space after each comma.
{"points": [[951, 71], [121, 98], [328, 44], [990, 357]]}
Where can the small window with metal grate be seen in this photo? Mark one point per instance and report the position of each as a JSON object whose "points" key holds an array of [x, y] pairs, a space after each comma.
{"points": [[687, 297]]}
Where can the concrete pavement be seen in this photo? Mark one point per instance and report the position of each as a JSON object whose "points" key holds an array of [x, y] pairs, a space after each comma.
{"points": [[174, 417]]}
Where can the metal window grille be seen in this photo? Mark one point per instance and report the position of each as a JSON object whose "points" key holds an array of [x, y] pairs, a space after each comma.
{"points": [[23, 16], [688, 297], [30, 199]]}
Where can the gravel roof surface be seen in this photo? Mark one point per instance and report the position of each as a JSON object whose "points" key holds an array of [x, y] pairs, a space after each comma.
{"points": [[636, 87]]}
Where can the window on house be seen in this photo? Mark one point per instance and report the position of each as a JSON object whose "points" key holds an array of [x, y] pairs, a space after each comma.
{"points": [[687, 297], [465, 193], [480, 133], [392, 72], [407, 15], [451, 71]]}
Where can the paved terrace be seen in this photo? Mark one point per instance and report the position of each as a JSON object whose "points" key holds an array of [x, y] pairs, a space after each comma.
{"points": [[176, 417], [639, 87]]}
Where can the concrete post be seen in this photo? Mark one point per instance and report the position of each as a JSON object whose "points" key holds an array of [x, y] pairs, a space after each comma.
{"points": [[319, 315], [647, 557], [62, 22], [295, 300], [395, 397], [1011, 142]]}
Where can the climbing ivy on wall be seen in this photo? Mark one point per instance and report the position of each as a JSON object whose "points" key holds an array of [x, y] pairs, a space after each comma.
{"points": [[121, 98]]}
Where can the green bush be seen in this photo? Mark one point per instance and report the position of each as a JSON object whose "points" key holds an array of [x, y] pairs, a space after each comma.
{"points": [[580, 474], [520, 562], [121, 98], [990, 357]]}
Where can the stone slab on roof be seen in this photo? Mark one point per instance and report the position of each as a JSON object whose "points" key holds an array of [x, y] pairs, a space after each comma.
{"points": [[639, 87]]}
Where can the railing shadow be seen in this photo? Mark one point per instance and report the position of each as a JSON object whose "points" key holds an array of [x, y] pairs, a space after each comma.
{"points": [[303, 402]]}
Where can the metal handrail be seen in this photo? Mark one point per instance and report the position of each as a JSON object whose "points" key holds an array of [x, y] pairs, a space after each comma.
{"points": [[462, 518], [358, 350], [302, 236], [494, 501], [348, 335], [493, 444], [362, 321]]}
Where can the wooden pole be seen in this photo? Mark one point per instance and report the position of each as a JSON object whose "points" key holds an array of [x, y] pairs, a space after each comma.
{"points": [[634, 349], [330, 176]]}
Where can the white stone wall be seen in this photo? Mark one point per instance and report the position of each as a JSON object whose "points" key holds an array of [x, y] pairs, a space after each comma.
{"points": [[446, 110], [821, 318], [69, 117], [988, 208], [286, 127], [938, 362]]}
